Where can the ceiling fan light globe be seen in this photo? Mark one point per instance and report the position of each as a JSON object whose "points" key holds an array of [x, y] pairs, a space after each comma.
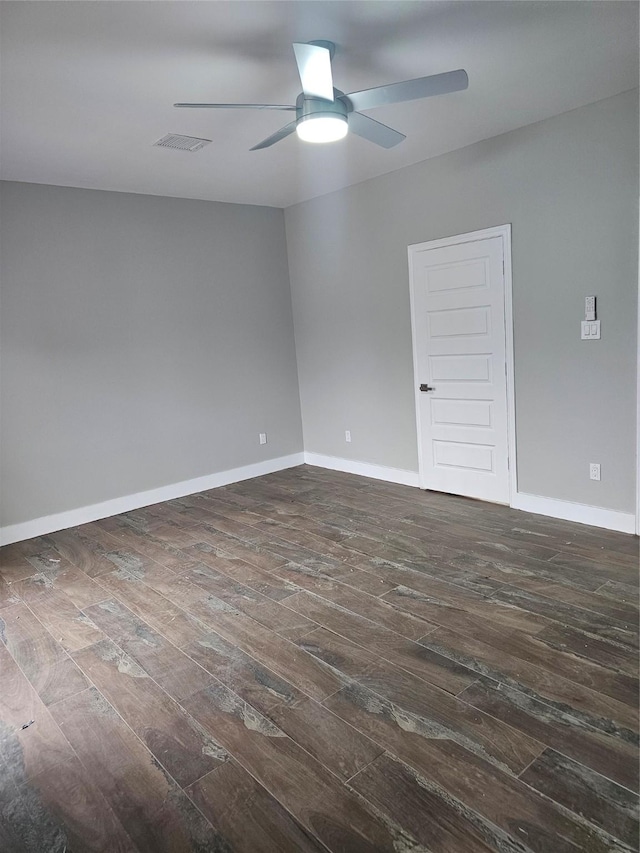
{"points": [[322, 128]]}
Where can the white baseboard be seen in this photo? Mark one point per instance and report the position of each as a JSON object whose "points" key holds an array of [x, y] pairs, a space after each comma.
{"points": [[85, 514], [611, 519], [625, 522], [364, 469]]}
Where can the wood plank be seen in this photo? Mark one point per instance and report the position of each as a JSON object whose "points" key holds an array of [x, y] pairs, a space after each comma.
{"points": [[290, 552], [127, 536], [204, 507], [451, 718], [365, 581], [354, 600], [555, 726], [8, 595], [459, 614], [39, 747], [501, 566], [67, 624], [432, 667], [14, 565], [296, 514], [178, 742], [321, 547], [63, 810], [427, 706], [178, 532], [584, 646], [274, 652], [259, 686], [592, 568], [619, 591], [313, 795], [176, 673], [577, 617], [436, 819], [134, 563], [56, 573], [244, 533], [247, 815], [272, 614], [258, 579], [497, 796], [339, 653], [596, 709], [230, 510], [44, 662], [619, 610], [79, 546], [153, 810], [143, 519], [229, 546], [594, 797], [336, 745], [170, 621], [531, 649], [200, 586], [525, 527]]}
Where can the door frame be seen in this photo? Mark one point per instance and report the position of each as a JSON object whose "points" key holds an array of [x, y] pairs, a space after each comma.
{"points": [[504, 232]]}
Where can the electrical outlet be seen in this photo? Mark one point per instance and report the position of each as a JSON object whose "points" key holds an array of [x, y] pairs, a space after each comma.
{"points": [[594, 470], [347, 435], [263, 438]]}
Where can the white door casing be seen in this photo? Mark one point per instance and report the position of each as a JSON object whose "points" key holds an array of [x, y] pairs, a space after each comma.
{"points": [[463, 353]]}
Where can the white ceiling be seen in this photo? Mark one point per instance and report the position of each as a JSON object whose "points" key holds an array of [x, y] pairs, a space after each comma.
{"points": [[88, 87]]}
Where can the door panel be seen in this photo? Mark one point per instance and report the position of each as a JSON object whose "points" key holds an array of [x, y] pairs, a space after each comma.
{"points": [[461, 412], [463, 456], [457, 322], [460, 368], [460, 351]]}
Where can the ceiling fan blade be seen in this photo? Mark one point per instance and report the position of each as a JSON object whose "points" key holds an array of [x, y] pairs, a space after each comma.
{"points": [[374, 131], [275, 137], [314, 67], [237, 106], [410, 90]]}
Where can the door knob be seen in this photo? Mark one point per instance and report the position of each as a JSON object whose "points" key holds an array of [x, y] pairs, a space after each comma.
{"points": [[427, 388]]}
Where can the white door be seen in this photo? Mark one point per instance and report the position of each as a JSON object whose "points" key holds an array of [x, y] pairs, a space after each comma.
{"points": [[460, 360]]}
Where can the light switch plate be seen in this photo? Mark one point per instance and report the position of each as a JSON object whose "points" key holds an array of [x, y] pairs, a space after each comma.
{"points": [[590, 330]]}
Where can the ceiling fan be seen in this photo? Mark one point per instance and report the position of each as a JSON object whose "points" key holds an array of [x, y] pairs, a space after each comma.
{"points": [[325, 114]]}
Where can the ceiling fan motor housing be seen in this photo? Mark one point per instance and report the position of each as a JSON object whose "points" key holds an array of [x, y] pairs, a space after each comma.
{"points": [[308, 108]]}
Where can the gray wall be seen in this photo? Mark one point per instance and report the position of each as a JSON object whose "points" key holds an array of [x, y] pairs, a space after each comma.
{"points": [[144, 341], [569, 186], [148, 340]]}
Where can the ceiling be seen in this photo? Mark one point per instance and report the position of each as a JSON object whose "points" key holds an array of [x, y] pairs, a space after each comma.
{"points": [[88, 87]]}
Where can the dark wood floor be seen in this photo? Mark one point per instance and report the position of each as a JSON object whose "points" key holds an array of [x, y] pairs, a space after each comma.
{"points": [[313, 661]]}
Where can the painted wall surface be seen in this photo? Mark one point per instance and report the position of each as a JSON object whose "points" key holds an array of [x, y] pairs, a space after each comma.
{"points": [[144, 341], [569, 187]]}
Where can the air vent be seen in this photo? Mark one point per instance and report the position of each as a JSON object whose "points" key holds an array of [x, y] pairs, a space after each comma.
{"points": [[182, 143]]}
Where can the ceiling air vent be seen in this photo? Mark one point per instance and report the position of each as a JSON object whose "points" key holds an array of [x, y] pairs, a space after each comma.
{"points": [[182, 143]]}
